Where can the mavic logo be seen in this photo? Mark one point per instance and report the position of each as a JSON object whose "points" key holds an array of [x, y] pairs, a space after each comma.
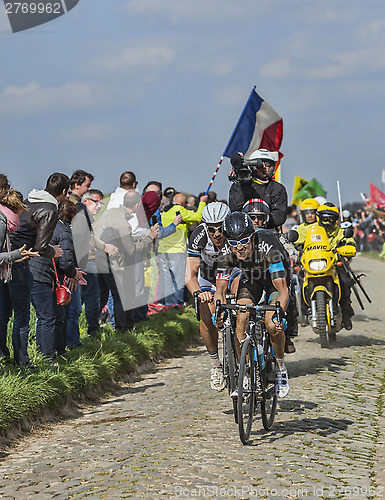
{"points": [[317, 247], [26, 14]]}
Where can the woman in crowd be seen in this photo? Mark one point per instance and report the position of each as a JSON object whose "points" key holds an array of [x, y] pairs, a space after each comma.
{"points": [[50, 323], [11, 206]]}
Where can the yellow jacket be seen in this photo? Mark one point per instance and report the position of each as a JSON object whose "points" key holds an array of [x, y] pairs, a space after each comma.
{"points": [[302, 229], [177, 242], [337, 238]]}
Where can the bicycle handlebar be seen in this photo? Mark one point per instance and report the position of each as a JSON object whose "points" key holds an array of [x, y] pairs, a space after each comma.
{"points": [[249, 307]]}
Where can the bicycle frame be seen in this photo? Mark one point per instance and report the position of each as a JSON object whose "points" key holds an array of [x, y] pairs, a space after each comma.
{"points": [[257, 357]]}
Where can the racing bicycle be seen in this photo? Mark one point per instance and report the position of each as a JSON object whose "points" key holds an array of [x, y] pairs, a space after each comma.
{"points": [[257, 368]]}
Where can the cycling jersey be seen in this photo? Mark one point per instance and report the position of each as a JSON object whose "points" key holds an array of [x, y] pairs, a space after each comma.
{"points": [[266, 263], [201, 246]]}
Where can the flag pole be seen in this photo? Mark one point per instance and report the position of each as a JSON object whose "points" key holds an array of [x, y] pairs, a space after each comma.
{"points": [[215, 174], [229, 142], [339, 198]]}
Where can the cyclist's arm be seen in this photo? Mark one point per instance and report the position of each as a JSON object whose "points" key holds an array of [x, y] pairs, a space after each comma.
{"points": [[283, 292], [192, 268]]}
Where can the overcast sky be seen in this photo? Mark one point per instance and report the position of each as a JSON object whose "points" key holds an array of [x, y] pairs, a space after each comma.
{"points": [[157, 86]]}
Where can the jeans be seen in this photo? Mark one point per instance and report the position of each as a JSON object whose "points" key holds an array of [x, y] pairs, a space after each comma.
{"points": [[172, 268], [123, 319], [91, 297], [20, 293], [44, 302], [73, 311]]}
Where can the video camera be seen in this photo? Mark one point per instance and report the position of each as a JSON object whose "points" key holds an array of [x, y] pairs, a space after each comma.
{"points": [[243, 169]]}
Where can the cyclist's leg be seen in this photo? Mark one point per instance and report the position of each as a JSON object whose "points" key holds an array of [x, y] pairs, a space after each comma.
{"points": [[247, 294], [277, 338], [276, 334], [209, 334]]}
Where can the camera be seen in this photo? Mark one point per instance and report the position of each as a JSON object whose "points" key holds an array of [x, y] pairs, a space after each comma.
{"points": [[243, 169]]}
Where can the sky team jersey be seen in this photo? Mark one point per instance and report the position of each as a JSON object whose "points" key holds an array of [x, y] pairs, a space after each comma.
{"points": [[201, 246], [267, 261]]}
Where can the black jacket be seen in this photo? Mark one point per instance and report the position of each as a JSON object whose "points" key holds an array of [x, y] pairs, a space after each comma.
{"points": [[36, 224], [273, 193], [42, 267]]}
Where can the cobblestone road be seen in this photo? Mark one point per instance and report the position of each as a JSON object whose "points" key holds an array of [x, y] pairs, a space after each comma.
{"points": [[168, 435]]}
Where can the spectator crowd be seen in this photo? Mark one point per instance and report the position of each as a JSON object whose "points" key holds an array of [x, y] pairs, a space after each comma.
{"points": [[127, 258], [124, 259]]}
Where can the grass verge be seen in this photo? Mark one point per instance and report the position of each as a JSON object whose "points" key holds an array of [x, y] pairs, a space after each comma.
{"points": [[26, 393]]}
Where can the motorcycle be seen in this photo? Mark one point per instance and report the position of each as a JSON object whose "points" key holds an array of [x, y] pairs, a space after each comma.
{"points": [[321, 288]]}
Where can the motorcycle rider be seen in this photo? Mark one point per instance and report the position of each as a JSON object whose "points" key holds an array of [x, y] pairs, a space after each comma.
{"points": [[259, 212], [327, 217], [308, 210], [262, 186], [259, 256], [206, 243]]}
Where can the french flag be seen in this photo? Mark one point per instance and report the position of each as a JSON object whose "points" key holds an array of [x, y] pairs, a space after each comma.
{"points": [[259, 126]]}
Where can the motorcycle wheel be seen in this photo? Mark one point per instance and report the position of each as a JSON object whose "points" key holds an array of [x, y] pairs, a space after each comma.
{"points": [[321, 318]]}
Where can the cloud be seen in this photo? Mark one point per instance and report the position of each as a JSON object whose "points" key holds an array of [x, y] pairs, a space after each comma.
{"points": [[95, 132], [147, 55], [35, 99], [198, 10]]}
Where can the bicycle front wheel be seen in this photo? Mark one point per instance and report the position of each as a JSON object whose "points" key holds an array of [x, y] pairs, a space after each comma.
{"points": [[232, 364], [246, 391], [269, 396]]}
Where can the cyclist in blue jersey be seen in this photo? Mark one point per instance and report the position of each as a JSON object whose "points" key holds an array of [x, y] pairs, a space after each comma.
{"points": [[259, 256]]}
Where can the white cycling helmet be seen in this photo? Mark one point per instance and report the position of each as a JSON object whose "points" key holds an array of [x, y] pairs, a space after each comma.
{"points": [[262, 154], [215, 212]]}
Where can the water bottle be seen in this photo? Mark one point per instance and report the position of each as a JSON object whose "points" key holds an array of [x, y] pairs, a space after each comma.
{"points": [[261, 356]]}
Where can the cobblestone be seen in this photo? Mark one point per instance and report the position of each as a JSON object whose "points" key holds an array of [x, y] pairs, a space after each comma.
{"points": [[169, 435]]}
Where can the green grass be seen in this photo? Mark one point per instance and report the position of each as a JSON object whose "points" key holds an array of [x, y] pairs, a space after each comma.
{"points": [[25, 393]]}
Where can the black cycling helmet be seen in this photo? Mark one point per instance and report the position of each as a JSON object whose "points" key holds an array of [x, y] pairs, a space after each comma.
{"points": [[327, 215], [237, 225], [257, 208]]}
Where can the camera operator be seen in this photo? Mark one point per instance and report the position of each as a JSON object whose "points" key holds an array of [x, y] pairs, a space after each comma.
{"points": [[252, 178]]}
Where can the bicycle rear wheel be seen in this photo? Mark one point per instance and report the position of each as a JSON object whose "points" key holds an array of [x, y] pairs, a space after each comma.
{"points": [[246, 388], [269, 396], [232, 362]]}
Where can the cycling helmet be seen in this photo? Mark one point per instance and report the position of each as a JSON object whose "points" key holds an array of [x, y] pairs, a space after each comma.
{"points": [[345, 214], [215, 212], [309, 205], [327, 215], [237, 225], [255, 207], [264, 155]]}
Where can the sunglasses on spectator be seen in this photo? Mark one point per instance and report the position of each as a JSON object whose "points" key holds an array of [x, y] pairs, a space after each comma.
{"points": [[214, 229], [97, 202], [243, 241]]}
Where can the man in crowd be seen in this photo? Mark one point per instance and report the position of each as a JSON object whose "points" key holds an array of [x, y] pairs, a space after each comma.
{"points": [[172, 250], [36, 227], [127, 182], [80, 183], [90, 293], [118, 271]]}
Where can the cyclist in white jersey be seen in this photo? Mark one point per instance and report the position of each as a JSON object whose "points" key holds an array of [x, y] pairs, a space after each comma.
{"points": [[205, 245]]}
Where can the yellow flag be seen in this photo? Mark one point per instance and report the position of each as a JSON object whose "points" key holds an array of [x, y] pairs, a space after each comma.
{"points": [[299, 183]]}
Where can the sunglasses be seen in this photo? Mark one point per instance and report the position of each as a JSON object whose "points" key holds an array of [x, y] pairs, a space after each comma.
{"points": [[261, 217], [214, 229], [243, 241], [97, 202]]}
